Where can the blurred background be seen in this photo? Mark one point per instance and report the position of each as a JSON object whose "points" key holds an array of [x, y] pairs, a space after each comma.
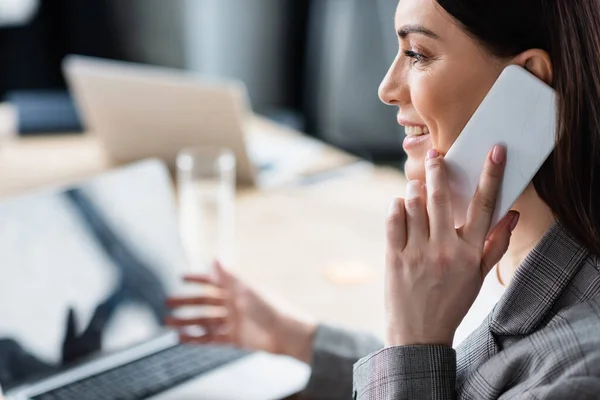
{"points": [[316, 235], [312, 64]]}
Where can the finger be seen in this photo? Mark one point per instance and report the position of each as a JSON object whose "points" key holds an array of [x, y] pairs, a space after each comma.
{"points": [[439, 200], [200, 279], [229, 281], [498, 241], [174, 302], [396, 225], [417, 223], [224, 277], [218, 338], [481, 210], [202, 321]]}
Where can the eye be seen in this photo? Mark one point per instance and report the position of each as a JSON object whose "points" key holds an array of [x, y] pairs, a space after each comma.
{"points": [[417, 57]]}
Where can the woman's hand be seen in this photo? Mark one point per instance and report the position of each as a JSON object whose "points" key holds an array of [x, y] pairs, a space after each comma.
{"points": [[434, 271], [244, 318]]}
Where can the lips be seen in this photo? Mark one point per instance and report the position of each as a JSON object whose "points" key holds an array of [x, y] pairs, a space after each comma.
{"points": [[417, 136], [416, 143]]}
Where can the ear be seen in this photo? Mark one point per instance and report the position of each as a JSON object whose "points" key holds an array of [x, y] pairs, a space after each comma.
{"points": [[537, 62]]}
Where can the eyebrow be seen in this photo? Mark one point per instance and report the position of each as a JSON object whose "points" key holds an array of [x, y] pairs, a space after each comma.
{"points": [[408, 29]]}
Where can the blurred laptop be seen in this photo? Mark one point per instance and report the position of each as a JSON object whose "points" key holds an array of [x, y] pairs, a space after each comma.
{"points": [[85, 273], [142, 111]]}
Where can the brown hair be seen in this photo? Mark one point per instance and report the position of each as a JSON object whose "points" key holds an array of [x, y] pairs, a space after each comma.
{"points": [[569, 31]]}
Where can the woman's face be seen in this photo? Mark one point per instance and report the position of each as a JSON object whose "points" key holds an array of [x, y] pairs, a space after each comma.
{"points": [[438, 79]]}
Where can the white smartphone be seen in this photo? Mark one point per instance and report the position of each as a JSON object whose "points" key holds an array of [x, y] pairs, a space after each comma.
{"points": [[519, 112]]}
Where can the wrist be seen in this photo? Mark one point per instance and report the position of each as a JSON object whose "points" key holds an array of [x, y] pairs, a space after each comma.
{"points": [[394, 340], [296, 338]]}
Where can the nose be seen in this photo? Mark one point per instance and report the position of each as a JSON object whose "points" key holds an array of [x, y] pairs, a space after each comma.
{"points": [[394, 90]]}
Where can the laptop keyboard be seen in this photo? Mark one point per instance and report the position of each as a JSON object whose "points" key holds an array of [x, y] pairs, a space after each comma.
{"points": [[148, 376]]}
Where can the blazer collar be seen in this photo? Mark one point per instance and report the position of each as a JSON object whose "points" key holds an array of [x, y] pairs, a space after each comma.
{"points": [[538, 282]]}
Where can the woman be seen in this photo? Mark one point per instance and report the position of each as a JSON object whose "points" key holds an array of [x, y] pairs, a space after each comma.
{"points": [[541, 340]]}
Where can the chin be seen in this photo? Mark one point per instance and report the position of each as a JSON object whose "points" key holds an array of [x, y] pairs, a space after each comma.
{"points": [[414, 169]]}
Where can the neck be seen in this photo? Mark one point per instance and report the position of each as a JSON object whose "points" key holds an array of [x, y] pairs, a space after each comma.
{"points": [[536, 218]]}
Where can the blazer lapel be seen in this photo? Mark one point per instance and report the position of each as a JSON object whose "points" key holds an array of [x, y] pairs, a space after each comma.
{"points": [[479, 347], [527, 302], [537, 284]]}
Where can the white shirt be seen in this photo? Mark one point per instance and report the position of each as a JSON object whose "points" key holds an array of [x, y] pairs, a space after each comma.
{"points": [[491, 291]]}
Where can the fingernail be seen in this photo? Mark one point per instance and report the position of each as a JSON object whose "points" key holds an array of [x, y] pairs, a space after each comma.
{"points": [[514, 221], [413, 190], [498, 155], [432, 153]]}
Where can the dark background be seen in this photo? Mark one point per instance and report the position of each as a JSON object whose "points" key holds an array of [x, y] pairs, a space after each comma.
{"points": [[314, 65]]}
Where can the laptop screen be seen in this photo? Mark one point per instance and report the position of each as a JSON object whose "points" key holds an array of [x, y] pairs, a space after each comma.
{"points": [[85, 270]]}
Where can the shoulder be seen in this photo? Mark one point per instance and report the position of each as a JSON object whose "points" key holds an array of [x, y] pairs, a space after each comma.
{"points": [[559, 361], [569, 342], [580, 323]]}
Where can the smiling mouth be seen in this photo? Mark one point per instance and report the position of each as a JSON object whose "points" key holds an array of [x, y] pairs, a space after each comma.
{"points": [[417, 136], [415, 131]]}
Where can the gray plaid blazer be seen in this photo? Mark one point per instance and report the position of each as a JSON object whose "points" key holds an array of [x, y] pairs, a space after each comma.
{"points": [[541, 341]]}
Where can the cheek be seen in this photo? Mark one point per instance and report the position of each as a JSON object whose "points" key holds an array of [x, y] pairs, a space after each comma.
{"points": [[441, 107]]}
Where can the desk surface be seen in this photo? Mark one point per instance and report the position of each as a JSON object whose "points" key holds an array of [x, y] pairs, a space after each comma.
{"points": [[320, 247], [63, 159]]}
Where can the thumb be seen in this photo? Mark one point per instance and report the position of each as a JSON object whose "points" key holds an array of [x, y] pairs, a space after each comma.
{"points": [[224, 276], [497, 243]]}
